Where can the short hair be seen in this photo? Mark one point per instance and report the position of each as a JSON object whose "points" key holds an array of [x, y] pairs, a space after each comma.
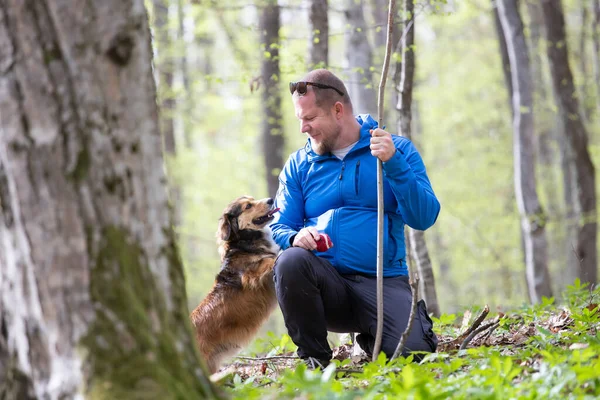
{"points": [[328, 97]]}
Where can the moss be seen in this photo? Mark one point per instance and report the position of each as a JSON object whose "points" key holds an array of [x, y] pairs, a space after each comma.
{"points": [[131, 345], [82, 166]]}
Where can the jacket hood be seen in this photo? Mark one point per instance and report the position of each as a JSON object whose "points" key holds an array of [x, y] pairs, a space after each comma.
{"points": [[366, 124]]}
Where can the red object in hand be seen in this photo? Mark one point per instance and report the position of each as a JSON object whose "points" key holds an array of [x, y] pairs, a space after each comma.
{"points": [[324, 243]]}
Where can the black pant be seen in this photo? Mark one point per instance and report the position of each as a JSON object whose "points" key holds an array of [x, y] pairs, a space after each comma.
{"points": [[315, 298]]}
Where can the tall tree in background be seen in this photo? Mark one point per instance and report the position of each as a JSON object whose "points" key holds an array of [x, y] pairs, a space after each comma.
{"points": [[403, 81], [533, 218], [360, 60], [318, 46], [586, 103], [185, 100], [92, 294], [165, 69], [576, 135], [272, 129], [596, 52], [554, 156], [503, 52]]}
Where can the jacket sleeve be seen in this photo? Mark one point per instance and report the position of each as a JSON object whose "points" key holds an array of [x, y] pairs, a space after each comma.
{"points": [[290, 218], [406, 174]]}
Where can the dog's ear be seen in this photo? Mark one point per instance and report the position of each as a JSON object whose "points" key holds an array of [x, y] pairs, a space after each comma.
{"points": [[228, 227]]}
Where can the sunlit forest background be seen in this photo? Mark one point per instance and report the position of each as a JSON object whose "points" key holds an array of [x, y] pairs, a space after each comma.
{"points": [[208, 57]]}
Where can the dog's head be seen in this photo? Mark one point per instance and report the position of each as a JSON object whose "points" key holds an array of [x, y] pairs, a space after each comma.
{"points": [[245, 214]]}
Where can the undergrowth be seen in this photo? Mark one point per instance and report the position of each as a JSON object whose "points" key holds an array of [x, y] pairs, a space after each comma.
{"points": [[547, 351]]}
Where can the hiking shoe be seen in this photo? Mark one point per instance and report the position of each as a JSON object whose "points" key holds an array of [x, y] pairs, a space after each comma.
{"points": [[314, 363]]}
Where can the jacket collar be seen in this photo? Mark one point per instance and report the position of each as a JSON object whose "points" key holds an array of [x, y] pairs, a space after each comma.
{"points": [[366, 124]]}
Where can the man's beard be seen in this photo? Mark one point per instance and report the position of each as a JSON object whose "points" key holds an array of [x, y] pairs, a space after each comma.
{"points": [[327, 144]]}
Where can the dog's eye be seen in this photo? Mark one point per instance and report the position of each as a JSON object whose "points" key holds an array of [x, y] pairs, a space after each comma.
{"points": [[248, 206]]}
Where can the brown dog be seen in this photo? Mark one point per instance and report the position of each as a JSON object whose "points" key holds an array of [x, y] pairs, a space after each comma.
{"points": [[243, 294]]}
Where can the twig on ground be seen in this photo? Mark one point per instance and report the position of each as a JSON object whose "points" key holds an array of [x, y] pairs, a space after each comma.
{"points": [[489, 333], [473, 327], [492, 324], [414, 285], [268, 358]]}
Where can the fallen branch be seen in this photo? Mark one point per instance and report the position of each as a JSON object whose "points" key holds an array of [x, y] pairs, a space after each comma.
{"points": [[489, 333], [414, 285], [492, 324], [473, 327], [267, 358]]}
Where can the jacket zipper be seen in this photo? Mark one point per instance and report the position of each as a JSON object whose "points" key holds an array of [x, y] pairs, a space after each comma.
{"points": [[356, 177], [342, 171]]}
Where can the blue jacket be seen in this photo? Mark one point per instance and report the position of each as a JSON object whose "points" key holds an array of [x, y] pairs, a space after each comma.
{"points": [[339, 197]]}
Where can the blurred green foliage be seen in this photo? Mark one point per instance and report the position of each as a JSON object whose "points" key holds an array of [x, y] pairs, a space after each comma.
{"points": [[462, 127]]}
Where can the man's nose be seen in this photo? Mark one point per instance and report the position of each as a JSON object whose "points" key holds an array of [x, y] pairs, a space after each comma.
{"points": [[304, 127]]}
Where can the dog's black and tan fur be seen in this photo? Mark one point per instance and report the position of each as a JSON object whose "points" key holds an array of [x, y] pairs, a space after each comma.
{"points": [[243, 294]]}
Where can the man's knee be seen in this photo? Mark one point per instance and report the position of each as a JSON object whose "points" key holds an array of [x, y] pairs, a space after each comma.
{"points": [[291, 262]]}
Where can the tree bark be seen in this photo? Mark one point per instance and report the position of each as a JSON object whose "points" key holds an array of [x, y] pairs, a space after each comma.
{"points": [[576, 135], [533, 218], [318, 47], [92, 291], [404, 88], [360, 60], [272, 129]]}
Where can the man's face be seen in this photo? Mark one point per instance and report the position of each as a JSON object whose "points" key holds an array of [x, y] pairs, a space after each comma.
{"points": [[319, 124]]}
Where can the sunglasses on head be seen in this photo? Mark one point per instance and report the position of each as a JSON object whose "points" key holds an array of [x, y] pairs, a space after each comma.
{"points": [[302, 87]]}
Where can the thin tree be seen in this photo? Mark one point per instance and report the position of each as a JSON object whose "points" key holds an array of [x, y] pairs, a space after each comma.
{"points": [[165, 71], [576, 136], [359, 54], [272, 129], [596, 52], [533, 218], [318, 46], [92, 291], [587, 105], [403, 81]]}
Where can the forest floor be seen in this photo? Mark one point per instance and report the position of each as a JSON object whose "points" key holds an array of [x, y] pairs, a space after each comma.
{"points": [[546, 351]]}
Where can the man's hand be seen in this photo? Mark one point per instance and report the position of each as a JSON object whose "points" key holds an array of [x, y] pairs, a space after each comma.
{"points": [[382, 145], [307, 238]]}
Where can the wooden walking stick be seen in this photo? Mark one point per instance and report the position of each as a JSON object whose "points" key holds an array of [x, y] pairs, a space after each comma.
{"points": [[386, 64]]}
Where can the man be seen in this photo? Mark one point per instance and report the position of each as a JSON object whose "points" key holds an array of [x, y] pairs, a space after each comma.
{"points": [[330, 186]]}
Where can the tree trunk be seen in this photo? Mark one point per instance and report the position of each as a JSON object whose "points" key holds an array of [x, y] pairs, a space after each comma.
{"points": [[533, 218], [360, 60], [272, 130], [165, 68], [576, 135], [404, 87], [596, 53], [318, 47], [92, 292], [586, 103], [186, 106], [503, 53], [553, 162]]}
